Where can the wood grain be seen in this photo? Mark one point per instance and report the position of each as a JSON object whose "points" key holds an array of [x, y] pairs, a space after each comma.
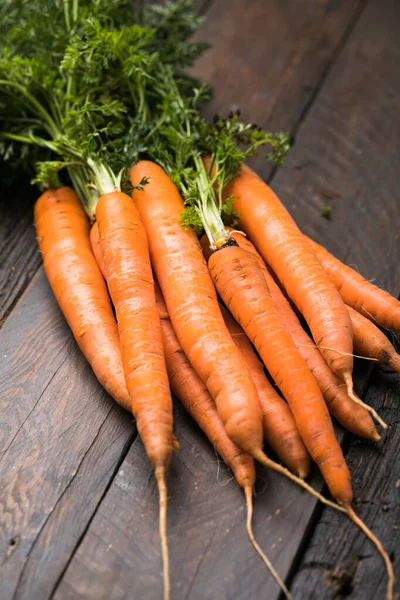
{"points": [[210, 555], [268, 58], [19, 253], [62, 440]]}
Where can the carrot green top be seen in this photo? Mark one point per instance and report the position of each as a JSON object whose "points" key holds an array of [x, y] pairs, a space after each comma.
{"points": [[181, 136], [77, 80]]}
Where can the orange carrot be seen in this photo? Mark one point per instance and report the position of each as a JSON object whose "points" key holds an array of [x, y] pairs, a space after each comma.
{"points": [[62, 230], [241, 285], [358, 292], [196, 317], [191, 391], [274, 233], [369, 341], [280, 430], [352, 416], [127, 268]]}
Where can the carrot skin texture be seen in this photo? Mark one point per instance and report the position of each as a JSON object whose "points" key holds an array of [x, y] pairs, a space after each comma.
{"points": [[95, 243], [369, 341], [126, 260], [280, 429], [352, 416], [63, 235], [192, 392], [241, 285], [359, 293], [193, 307], [278, 239]]}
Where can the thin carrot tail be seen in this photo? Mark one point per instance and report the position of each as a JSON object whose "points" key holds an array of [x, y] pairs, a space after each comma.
{"points": [[249, 503], [271, 464], [349, 383], [162, 492], [372, 537]]}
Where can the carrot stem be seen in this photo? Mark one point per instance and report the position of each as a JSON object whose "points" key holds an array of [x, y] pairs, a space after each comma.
{"points": [[249, 503], [372, 537], [162, 491]]}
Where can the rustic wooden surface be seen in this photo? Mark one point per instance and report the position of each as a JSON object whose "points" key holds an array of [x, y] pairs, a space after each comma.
{"points": [[19, 253], [78, 504]]}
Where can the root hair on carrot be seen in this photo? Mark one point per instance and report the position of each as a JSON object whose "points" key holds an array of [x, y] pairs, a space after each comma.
{"points": [[349, 382], [339, 352], [261, 554]]}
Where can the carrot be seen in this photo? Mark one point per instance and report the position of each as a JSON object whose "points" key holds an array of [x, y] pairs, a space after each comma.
{"points": [[280, 430], [241, 285], [196, 317], [127, 268], [62, 230], [352, 416], [369, 341], [274, 233], [359, 293], [192, 392]]}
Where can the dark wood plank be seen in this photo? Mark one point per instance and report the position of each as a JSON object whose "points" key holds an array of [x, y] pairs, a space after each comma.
{"points": [[62, 438], [210, 564], [19, 253], [347, 565], [268, 57], [346, 153]]}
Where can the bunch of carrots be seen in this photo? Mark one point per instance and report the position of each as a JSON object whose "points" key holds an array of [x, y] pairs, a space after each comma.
{"points": [[170, 329], [159, 291]]}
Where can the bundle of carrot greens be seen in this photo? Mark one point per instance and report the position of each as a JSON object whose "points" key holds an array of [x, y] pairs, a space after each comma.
{"points": [[89, 88]]}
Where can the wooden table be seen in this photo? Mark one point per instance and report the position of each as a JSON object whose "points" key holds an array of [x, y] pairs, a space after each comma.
{"points": [[78, 501]]}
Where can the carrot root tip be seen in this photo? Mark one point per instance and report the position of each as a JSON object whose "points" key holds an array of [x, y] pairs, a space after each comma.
{"points": [[249, 503], [378, 544], [163, 501], [375, 436]]}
